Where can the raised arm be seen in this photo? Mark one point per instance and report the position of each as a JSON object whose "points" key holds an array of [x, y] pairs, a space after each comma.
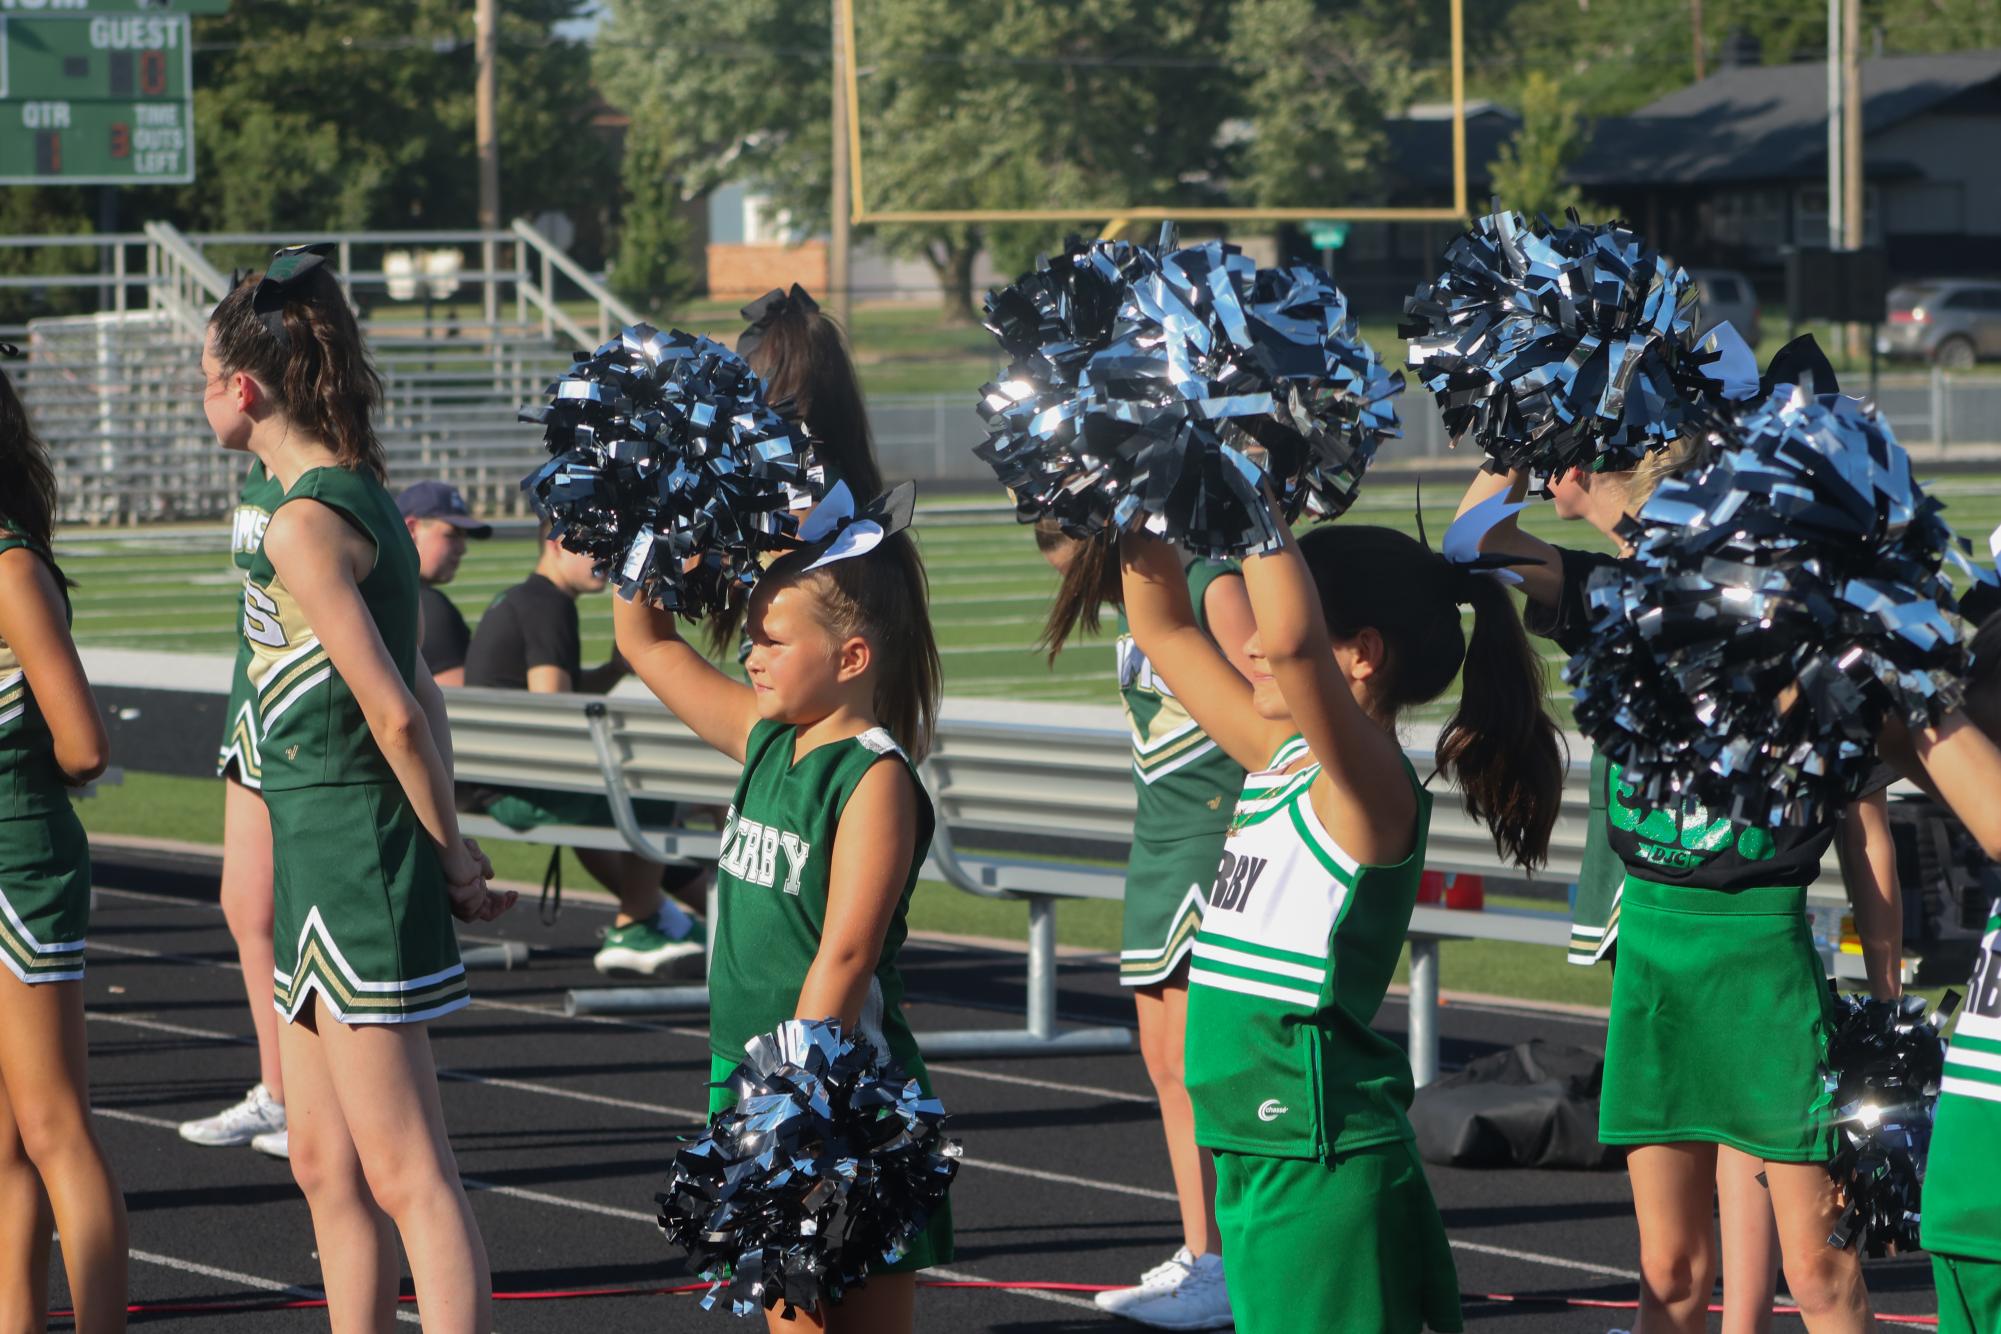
{"points": [[873, 845], [1360, 795], [717, 709], [1163, 624], [1868, 856], [32, 624], [322, 558], [1542, 581]]}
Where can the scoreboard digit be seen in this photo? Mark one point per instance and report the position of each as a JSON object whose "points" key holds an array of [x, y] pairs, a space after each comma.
{"points": [[95, 97]]}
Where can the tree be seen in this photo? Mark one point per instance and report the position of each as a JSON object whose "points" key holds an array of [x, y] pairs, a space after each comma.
{"points": [[651, 268], [1528, 173]]}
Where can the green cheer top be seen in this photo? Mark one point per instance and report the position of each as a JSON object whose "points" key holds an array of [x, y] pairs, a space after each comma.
{"points": [[258, 495], [772, 883], [30, 784], [1185, 784], [310, 726], [1298, 946]]}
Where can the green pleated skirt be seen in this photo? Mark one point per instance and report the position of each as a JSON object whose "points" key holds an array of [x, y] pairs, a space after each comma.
{"points": [[1719, 1023]]}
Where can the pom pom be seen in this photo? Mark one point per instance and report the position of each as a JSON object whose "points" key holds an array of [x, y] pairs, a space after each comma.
{"points": [[1558, 347], [1165, 388], [669, 469], [830, 1162], [1780, 604], [1885, 1060]]}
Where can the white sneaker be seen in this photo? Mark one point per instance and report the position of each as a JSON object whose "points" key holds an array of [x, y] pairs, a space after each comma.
{"points": [[1185, 1292], [274, 1144], [257, 1114]]}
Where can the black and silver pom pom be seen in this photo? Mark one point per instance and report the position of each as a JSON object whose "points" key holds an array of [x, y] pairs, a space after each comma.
{"points": [[829, 1164], [1779, 605], [1884, 1063], [1557, 347], [668, 468], [1166, 388]]}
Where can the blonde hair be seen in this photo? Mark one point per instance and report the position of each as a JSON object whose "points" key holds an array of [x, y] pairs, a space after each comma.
{"points": [[1646, 476]]}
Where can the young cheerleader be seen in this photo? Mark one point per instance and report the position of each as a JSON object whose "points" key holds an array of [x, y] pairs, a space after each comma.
{"points": [[828, 826], [51, 739], [1186, 788], [1303, 1104], [259, 1119], [369, 867]]}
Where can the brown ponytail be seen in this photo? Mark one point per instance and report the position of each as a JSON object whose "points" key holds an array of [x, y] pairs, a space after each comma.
{"points": [[885, 598], [27, 478], [1500, 746], [802, 357], [319, 373], [1090, 580]]}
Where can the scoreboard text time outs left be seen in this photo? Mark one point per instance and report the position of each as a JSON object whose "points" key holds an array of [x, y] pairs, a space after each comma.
{"points": [[104, 99]]}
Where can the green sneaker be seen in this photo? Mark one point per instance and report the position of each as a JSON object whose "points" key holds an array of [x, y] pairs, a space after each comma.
{"points": [[642, 947]]}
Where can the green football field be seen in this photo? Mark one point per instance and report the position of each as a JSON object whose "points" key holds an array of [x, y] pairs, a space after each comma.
{"points": [[175, 591]]}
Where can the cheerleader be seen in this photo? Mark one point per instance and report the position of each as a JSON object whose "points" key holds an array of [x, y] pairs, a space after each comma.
{"points": [[1185, 787], [829, 824], [368, 864], [1303, 1104], [51, 739], [259, 1119]]}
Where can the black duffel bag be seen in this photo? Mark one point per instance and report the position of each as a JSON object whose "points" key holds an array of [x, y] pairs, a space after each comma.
{"points": [[1534, 1105]]}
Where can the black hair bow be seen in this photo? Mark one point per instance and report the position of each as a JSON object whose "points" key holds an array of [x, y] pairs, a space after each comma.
{"points": [[836, 530], [10, 352], [289, 269], [767, 310], [1800, 362]]}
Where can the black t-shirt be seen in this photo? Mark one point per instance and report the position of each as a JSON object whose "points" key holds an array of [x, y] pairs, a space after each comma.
{"points": [[1568, 623], [533, 624], [445, 632]]}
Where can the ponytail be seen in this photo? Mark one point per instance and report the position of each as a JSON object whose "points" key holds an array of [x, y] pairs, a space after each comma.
{"points": [[27, 478], [1500, 746], [1090, 580], [319, 373]]}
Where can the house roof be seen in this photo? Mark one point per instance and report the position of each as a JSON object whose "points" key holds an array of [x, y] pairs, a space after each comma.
{"points": [[1767, 122], [1418, 148]]}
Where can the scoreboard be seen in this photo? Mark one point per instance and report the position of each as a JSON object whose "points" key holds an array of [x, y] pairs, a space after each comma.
{"points": [[103, 96]]}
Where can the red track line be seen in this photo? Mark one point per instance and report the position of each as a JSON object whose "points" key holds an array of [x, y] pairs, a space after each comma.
{"points": [[684, 1289]]}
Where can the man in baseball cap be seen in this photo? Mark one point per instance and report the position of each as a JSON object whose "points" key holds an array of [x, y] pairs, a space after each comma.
{"points": [[440, 521]]}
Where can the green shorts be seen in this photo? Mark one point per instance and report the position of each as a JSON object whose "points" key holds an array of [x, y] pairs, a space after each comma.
{"points": [[523, 809], [1719, 1024], [1167, 881], [44, 896], [933, 1245], [362, 916], [1969, 1294], [238, 756], [1594, 913], [1354, 1244]]}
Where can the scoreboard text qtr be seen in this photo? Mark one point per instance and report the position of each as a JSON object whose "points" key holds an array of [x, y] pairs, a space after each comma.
{"points": [[98, 99]]}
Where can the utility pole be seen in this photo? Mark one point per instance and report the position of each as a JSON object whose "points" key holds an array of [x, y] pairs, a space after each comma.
{"points": [[1853, 231], [1835, 159], [486, 137], [839, 205], [1695, 26]]}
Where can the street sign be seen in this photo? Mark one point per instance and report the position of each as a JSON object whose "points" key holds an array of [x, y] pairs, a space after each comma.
{"points": [[1326, 234], [95, 98]]}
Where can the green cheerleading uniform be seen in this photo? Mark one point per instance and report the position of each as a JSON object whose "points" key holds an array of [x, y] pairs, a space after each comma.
{"points": [[1719, 1003], [771, 887], [362, 913], [1186, 787], [1961, 1215], [238, 756], [1305, 1105], [44, 856], [1594, 910]]}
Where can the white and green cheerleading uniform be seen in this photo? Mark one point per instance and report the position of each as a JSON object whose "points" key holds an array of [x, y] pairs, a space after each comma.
{"points": [[363, 917], [238, 756], [1186, 787], [1326, 1216], [771, 887], [1961, 1224], [44, 857]]}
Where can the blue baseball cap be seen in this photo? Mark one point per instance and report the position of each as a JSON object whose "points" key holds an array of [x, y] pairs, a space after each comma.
{"points": [[441, 501]]}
